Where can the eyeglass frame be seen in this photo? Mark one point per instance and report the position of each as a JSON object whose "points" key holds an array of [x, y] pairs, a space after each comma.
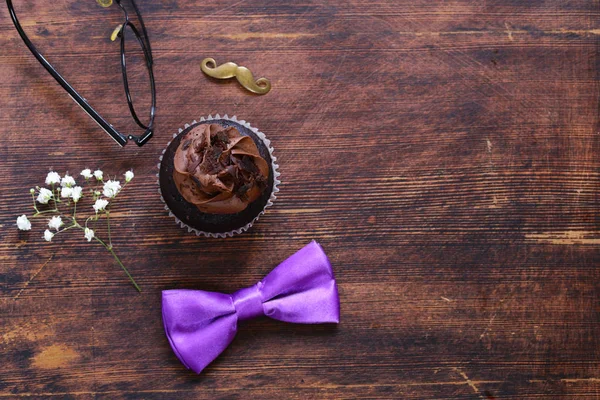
{"points": [[117, 136]]}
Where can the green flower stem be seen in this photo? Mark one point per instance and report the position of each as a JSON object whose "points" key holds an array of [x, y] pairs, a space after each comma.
{"points": [[74, 210], [43, 212], [34, 206], [108, 228], [119, 262], [55, 195], [75, 225], [117, 259]]}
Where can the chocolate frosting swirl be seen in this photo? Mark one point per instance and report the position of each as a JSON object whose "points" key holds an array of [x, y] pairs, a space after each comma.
{"points": [[219, 170]]}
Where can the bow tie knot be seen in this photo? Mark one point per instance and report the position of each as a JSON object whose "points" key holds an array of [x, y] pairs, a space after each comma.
{"points": [[248, 302]]}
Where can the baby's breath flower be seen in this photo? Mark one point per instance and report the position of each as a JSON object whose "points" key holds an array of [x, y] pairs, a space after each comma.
{"points": [[128, 176], [52, 178], [87, 173], [76, 195], [44, 196], [100, 205], [111, 188], [66, 192], [89, 234], [66, 187], [55, 222], [48, 235], [23, 223], [67, 181]]}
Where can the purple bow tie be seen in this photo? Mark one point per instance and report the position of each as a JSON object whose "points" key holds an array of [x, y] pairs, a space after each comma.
{"points": [[200, 325]]}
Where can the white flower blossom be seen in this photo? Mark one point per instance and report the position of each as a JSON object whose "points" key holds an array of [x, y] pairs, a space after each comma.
{"points": [[76, 195], [98, 174], [48, 235], [111, 188], [44, 196], [89, 234], [128, 176], [87, 173], [52, 178], [67, 181], [23, 223], [100, 205], [66, 192], [55, 222]]}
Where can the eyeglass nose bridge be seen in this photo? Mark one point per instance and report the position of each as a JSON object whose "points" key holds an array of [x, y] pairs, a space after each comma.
{"points": [[142, 139]]}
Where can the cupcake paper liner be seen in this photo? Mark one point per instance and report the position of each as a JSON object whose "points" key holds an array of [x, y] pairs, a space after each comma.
{"points": [[274, 165]]}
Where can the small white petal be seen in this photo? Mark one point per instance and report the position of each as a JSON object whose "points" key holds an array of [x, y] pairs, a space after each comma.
{"points": [[23, 223], [48, 235], [98, 174], [67, 181], [66, 192], [52, 178], [111, 188], [89, 234], [100, 205], [55, 222], [44, 196], [87, 173], [76, 195], [128, 176]]}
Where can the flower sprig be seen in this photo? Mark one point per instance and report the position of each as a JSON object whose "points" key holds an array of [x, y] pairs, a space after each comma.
{"points": [[63, 193]]}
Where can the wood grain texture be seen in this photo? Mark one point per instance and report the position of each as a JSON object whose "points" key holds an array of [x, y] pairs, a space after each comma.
{"points": [[445, 154]]}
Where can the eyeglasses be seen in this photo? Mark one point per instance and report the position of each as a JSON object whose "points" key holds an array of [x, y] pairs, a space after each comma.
{"points": [[127, 28]]}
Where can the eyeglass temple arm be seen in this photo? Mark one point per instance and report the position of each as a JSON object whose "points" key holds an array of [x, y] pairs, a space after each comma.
{"points": [[108, 128]]}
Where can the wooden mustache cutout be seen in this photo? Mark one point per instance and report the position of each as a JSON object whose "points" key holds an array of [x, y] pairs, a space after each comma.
{"points": [[243, 75]]}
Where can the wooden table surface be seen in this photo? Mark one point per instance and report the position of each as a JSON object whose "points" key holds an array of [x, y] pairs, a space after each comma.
{"points": [[445, 154]]}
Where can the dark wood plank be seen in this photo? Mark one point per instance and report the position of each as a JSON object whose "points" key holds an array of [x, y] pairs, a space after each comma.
{"points": [[444, 153]]}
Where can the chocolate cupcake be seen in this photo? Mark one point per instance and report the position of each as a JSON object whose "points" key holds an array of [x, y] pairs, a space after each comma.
{"points": [[217, 176]]}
